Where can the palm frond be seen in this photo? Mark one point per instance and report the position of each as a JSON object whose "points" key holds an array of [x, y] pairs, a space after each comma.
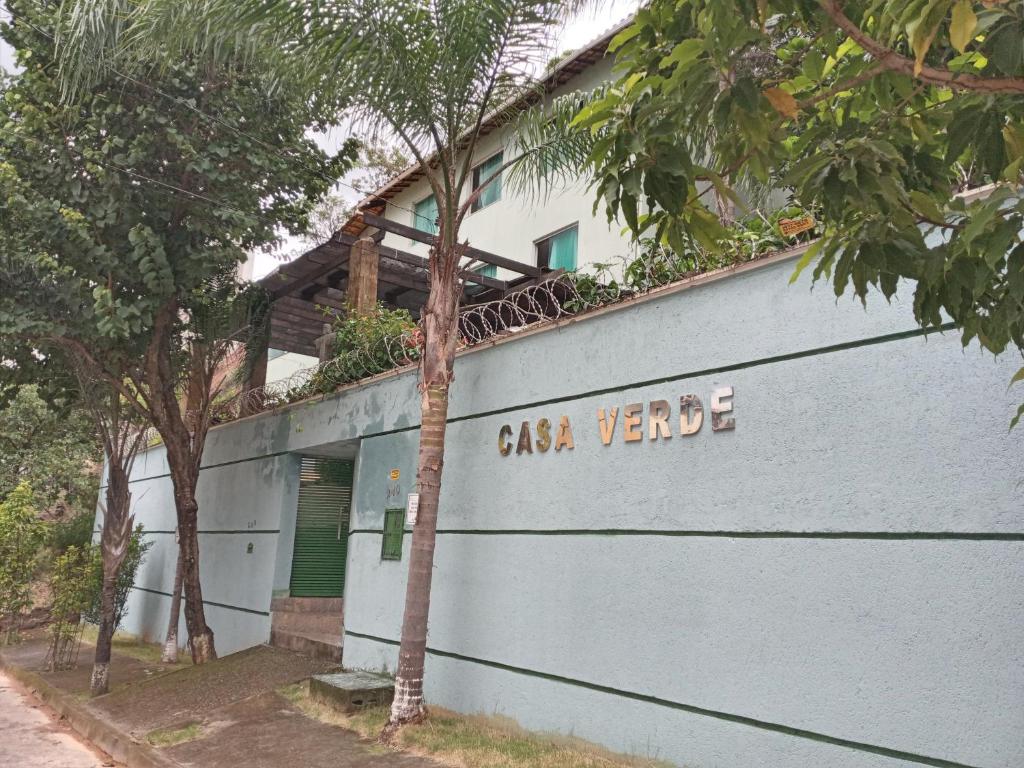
{"points": [[553, 150]]}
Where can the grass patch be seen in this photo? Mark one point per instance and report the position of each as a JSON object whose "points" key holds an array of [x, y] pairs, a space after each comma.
{"points": [[133, 646], [463, 741], [170, 737]]}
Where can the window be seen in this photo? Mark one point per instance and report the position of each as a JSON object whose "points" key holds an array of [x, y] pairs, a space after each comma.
{"points": [[487, 270], [492, 192], [559, 250], [394, 530], [425, 218]]}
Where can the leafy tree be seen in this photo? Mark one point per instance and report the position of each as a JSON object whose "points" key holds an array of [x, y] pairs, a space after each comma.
{"points": [[880, 117], [53, 449], [121, 200], [224, 318], [429, 74], [74, 532], [73, 582], [21, 535], [377, 163], [134, 556]]}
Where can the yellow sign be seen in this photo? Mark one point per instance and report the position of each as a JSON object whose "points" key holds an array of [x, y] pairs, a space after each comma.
{"points": [[790, 227], [394, 474]]}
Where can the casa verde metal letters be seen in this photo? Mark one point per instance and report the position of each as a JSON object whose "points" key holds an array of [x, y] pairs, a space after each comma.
{"points": [[627, 423]]}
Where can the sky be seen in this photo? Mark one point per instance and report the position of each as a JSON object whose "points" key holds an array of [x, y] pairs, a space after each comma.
{"points": [[6, 55], [575, 34]]}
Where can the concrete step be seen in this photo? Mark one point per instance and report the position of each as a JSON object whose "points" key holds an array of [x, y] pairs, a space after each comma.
{"points": [[333, 605], [305, 623], [319, 646]]}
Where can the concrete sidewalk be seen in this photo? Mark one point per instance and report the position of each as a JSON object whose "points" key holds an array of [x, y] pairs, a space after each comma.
{"points": [[33, 739], [228, 711]]}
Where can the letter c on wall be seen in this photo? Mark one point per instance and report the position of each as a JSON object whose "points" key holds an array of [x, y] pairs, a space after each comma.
{"points": [[505, 440]]}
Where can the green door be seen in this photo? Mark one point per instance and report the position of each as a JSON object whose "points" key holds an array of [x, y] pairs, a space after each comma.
{"points": [[321, 528]]}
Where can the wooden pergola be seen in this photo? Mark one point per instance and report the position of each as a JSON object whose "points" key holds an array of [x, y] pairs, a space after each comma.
{"points": [[354, 269], [311, 291]]}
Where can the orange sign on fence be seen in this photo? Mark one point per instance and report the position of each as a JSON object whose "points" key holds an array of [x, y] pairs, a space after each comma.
{"points": [[790, 227]]}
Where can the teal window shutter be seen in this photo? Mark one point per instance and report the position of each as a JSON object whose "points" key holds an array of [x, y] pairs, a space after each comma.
{"points": [[492, 192], [487, 270], [394, 530], [561, 249], [425, 217]]}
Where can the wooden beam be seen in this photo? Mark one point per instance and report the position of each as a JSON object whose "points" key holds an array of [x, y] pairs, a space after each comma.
{"points": [[301, 281], [325, 281], [405, 280], [256, 379], [364, 265], [292, 305], [474, 253], [387, 252]]}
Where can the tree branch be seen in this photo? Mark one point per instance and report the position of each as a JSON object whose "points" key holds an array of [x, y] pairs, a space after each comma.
{"points": [[846, 85], [897, 63]]}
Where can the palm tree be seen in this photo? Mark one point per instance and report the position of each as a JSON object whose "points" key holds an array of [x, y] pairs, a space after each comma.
{"points": [[430, 73]]}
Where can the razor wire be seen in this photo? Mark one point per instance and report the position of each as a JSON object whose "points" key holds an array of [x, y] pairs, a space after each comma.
{"points": [[560, 296]]}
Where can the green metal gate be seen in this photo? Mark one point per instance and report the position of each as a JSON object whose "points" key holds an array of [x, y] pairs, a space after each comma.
{"points": [[321, 528]]}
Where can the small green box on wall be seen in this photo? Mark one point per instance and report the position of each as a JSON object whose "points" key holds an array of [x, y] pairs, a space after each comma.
{"points": [[394, 530]]}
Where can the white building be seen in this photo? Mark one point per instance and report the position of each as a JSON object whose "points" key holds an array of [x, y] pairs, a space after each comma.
{"points": [[557, 230]]}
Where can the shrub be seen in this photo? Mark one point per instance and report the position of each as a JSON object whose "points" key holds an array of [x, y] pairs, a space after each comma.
{"points": [[137, 548], [22, 534], [76, 531], [656, 264], [365, 345], [73, 581]]}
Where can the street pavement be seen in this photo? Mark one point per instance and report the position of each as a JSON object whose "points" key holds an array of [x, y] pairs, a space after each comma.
{"points": [[31, 738]]}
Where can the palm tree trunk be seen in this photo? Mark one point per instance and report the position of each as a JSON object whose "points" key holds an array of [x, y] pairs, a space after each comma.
{"points": [[117, 530], [436, 368], [170, 654], [100, 681], [408, 703]]}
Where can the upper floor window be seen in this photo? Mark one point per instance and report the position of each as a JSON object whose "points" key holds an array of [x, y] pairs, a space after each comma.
{"points": [[425, 217], [487, 270], [558, 251], [492, 192]]}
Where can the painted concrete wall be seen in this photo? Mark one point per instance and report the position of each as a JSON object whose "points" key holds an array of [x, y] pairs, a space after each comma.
{"points": [[284, 365], [837, 582]]}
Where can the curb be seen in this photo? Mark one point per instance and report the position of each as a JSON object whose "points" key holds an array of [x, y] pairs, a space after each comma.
{"points": [[90, 726]]}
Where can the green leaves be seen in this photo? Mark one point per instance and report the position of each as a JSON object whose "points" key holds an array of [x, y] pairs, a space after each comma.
{"points": [[151, 183], [885, 159], [923, 27], [962, 25], [21, 537]]}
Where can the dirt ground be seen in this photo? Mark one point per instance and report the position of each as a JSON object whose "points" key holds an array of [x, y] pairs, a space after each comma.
{"points": [[230, 709], [31, 655], [265, 731], [195, 693]]}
